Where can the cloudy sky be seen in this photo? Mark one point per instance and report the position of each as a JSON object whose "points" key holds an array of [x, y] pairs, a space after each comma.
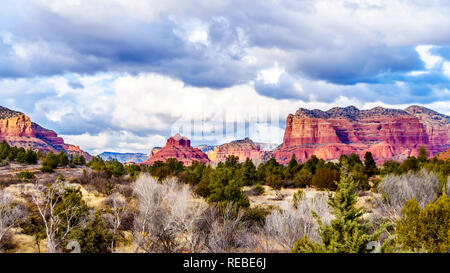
{"points": [[123, 75]]}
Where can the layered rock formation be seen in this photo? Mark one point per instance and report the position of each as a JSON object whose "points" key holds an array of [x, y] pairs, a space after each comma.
{"points": [[436, 125], [243, 149], [387, 133], [180, 148], [18, 130]]}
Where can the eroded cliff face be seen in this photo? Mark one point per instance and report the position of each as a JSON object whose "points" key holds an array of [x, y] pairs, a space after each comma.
{"points": [[436, 125], [243, 149], [387, 133], [180, 148], [18, 130]]}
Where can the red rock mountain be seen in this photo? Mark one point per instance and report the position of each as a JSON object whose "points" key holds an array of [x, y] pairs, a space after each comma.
{"points": [[243, 149], [180, 148], [18, 130], [387, 133], [444, 155]]}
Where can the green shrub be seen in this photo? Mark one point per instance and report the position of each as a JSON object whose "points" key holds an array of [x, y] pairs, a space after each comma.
{"points": [[50, 161], [26, 175], [425, 229], [255, 216], [325, 179], [348, 231], [46, 169], [303, 178], [258, 189], [274, 181], [297, 197]]}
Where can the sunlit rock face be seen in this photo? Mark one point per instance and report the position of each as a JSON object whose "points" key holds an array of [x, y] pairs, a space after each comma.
{"points": [[387, 133], [180, 148], [18, 130]]}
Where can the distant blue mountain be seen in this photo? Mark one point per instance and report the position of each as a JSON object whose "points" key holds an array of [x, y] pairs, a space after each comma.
{"points": [[124, 157]]}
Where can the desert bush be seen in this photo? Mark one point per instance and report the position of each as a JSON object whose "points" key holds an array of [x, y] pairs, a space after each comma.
{"points": [[425, 229], [166, 213], [257, 190], [303, 178], [224, 230], [297, 197], [285, 226], [51, 160], [424, 186], [325, 178], [93, 236], [61, 209], [26, 175], [63, 159], [102, 182], [11, 214], [46, 169], [256, 216]]}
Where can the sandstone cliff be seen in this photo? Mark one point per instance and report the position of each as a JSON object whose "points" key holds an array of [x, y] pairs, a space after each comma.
{"points": [[18, 130], [243, 149], [387, 133], [180, 148]]}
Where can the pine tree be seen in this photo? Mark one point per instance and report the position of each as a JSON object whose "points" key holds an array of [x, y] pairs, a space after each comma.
{"points": [[291, 168], [370, 167], [347, 232], [422, 155]]}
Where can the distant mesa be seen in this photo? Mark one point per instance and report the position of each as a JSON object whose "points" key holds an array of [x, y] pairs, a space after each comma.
{"points": [[205, 148], [180, 148], [18, 130], [387, 133], [243, 149]]}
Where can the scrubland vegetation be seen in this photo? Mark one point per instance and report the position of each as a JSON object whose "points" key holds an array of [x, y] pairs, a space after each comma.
{"points": [[343, 206]]}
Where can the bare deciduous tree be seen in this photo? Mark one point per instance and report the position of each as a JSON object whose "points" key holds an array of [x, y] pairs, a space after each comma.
{"points": [[225, 231], [283, 227], [167, 216], [57, 223], [10, 215], [114, 214], [397, 189]]}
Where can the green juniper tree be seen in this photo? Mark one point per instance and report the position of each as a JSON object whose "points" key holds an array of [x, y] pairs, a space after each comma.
{"points": [[348, 231]]}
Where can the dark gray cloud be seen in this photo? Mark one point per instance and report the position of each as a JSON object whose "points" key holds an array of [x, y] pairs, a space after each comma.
{"points": [[342, 43]]}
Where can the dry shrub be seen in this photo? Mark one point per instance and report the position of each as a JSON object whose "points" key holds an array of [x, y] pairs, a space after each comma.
{"points": [[166, 213], [283, 227], [397, 189], [11, 214], [169, 220]]}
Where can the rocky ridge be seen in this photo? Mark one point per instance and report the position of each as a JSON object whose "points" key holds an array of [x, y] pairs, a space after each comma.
{"points": [[387, 133], [18, 130]]}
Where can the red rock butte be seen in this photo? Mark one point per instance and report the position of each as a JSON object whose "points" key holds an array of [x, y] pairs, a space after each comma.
{"points": [[387, 133], [243, 149], [180, 148], [17, 129]]}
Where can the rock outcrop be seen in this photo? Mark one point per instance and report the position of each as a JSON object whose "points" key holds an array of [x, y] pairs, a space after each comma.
{"points": [[180, 148], [243, 149], [387, 133], [18, 130]]}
